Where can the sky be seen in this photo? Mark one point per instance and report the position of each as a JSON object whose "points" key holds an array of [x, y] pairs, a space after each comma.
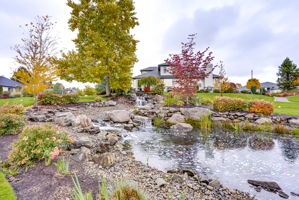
{"points": [[245, 34]]}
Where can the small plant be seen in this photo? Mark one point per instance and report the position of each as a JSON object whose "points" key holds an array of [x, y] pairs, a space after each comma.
{"points": [[206, 123], [261, 107], [104, 194], [63, 166], [37, 143], [279, 128], [171, 100], [227, 104], [247, 126], [11, 123], [98, 99], [89, 91], [125, 191], [295, 131], [15, 109], [77, 193], [158, 121], [80, 93]]}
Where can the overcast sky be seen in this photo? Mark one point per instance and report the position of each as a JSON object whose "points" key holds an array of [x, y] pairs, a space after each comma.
{"points": [[246, 34]]}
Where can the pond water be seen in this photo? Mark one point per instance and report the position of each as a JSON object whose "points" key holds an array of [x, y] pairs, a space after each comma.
{"points": [[228, 157]]}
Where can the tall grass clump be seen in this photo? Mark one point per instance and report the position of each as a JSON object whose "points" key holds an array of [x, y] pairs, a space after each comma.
{"points": [[158, 122], [77, 193], [125, 191], [63, 166], [279, 128]]}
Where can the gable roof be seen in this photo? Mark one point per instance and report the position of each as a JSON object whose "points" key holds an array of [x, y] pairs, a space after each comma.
{"points": [[148, 69], [9, 83]]}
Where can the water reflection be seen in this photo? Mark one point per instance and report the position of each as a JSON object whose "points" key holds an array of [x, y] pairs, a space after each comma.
{"points": [[231, 158]]}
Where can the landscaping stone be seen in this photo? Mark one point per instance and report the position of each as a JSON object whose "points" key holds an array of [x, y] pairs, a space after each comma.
{"points": [[105, 159], [119, 116], [263, 120], [160, 182], [268, 186], [195, 113], [176, 118], [182, 127], [294, 122], [82, 140], [260, 143], [110, 103], [83, 121], [65, 118], [215, 184]]}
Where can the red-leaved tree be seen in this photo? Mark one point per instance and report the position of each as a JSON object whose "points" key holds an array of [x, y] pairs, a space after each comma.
{"points": [[189, 67]]}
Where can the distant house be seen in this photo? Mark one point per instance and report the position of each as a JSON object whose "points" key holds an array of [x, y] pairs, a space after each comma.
{"points": [[10, 86], [162, 72], [269, 86]]}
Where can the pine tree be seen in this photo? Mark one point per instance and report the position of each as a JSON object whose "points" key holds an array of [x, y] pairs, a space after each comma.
{"points": [[288, 72], [105, 49]]}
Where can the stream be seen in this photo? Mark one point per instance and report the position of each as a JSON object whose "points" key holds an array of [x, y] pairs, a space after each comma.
{"points": [[232, 158]]}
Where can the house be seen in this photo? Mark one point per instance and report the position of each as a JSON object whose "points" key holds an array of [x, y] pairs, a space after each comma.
{"points": [[10, 86], [162, 72], [269, 86]]}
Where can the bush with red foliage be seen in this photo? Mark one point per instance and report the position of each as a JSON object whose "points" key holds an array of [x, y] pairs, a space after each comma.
{"points": [[286, 94], [260, 107]]}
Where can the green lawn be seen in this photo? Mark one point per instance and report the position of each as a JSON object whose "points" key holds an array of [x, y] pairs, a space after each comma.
{"points": [[294, 98], [28, 101], [291, 108], [6, 191]]}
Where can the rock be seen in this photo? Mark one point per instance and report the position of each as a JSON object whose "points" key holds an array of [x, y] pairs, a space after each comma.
{"points": [[218, 119], [215, 184], [83, 121], [65, 118], [38, 118], [103, 147], [105, 159], [195, 113], [160, 182], [112, 138], [249, 116], [294, 122], [110, 103], [283, 195], [182, 127], [176, 118], [85, 141], [269, 186], [295, 194], [263, 120], [189, 172], [93, 130], [203, 179], [119, 116], [260, 143], [84, 154]]}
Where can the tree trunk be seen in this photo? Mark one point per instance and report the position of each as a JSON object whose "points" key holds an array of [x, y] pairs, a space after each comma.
{"points": [[35, 100], [108, 90]]}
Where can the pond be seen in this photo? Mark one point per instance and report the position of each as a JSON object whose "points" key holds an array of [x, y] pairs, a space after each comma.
{"points": [[232, 158]]}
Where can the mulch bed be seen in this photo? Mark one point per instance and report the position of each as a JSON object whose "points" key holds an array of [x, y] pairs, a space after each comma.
{"points": [[5, 145]]}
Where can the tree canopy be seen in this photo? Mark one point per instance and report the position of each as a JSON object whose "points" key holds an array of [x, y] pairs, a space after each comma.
{"points": [[287, 75], [253, 82], [105, 49]]}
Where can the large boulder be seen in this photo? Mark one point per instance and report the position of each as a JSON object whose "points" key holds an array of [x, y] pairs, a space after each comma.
{"points": [[176, 118], [195, 113], [65, 118], [85, 141], [263, 120], [182, 127], [119, 116]]}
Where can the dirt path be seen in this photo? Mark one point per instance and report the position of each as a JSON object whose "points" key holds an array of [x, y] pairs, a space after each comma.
{"points": [[281, 99], [5, 145]]}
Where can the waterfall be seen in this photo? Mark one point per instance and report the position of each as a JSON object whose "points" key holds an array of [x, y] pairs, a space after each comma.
{"points": [[140, 101]]}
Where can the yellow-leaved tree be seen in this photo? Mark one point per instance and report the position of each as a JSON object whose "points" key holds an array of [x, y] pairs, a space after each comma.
{"points": [[253, 82], [35, 55]]}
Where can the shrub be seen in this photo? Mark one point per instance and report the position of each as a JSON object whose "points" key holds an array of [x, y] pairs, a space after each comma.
{"points": [[279, 128], [158, 121], [159, 89], [295, 131], [80, 93], [260, 107], [36, 143], [253, 89], [56, 99], [15, 109], [98, 99], [90, 91], [216, 91], [245, 92], [4, 95], [11, 123], [226, 104], [17, 95], [204, 91], [171, 100], [229, 90]]}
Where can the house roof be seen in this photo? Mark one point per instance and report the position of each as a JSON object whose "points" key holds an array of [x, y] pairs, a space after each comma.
{"points": [[9, 83], [154, 71], [269, 85]]}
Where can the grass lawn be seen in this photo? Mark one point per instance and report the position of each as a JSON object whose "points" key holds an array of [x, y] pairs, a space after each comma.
{"points": [[294, 98], [6, 191], [28, 101], [291, 108]]}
